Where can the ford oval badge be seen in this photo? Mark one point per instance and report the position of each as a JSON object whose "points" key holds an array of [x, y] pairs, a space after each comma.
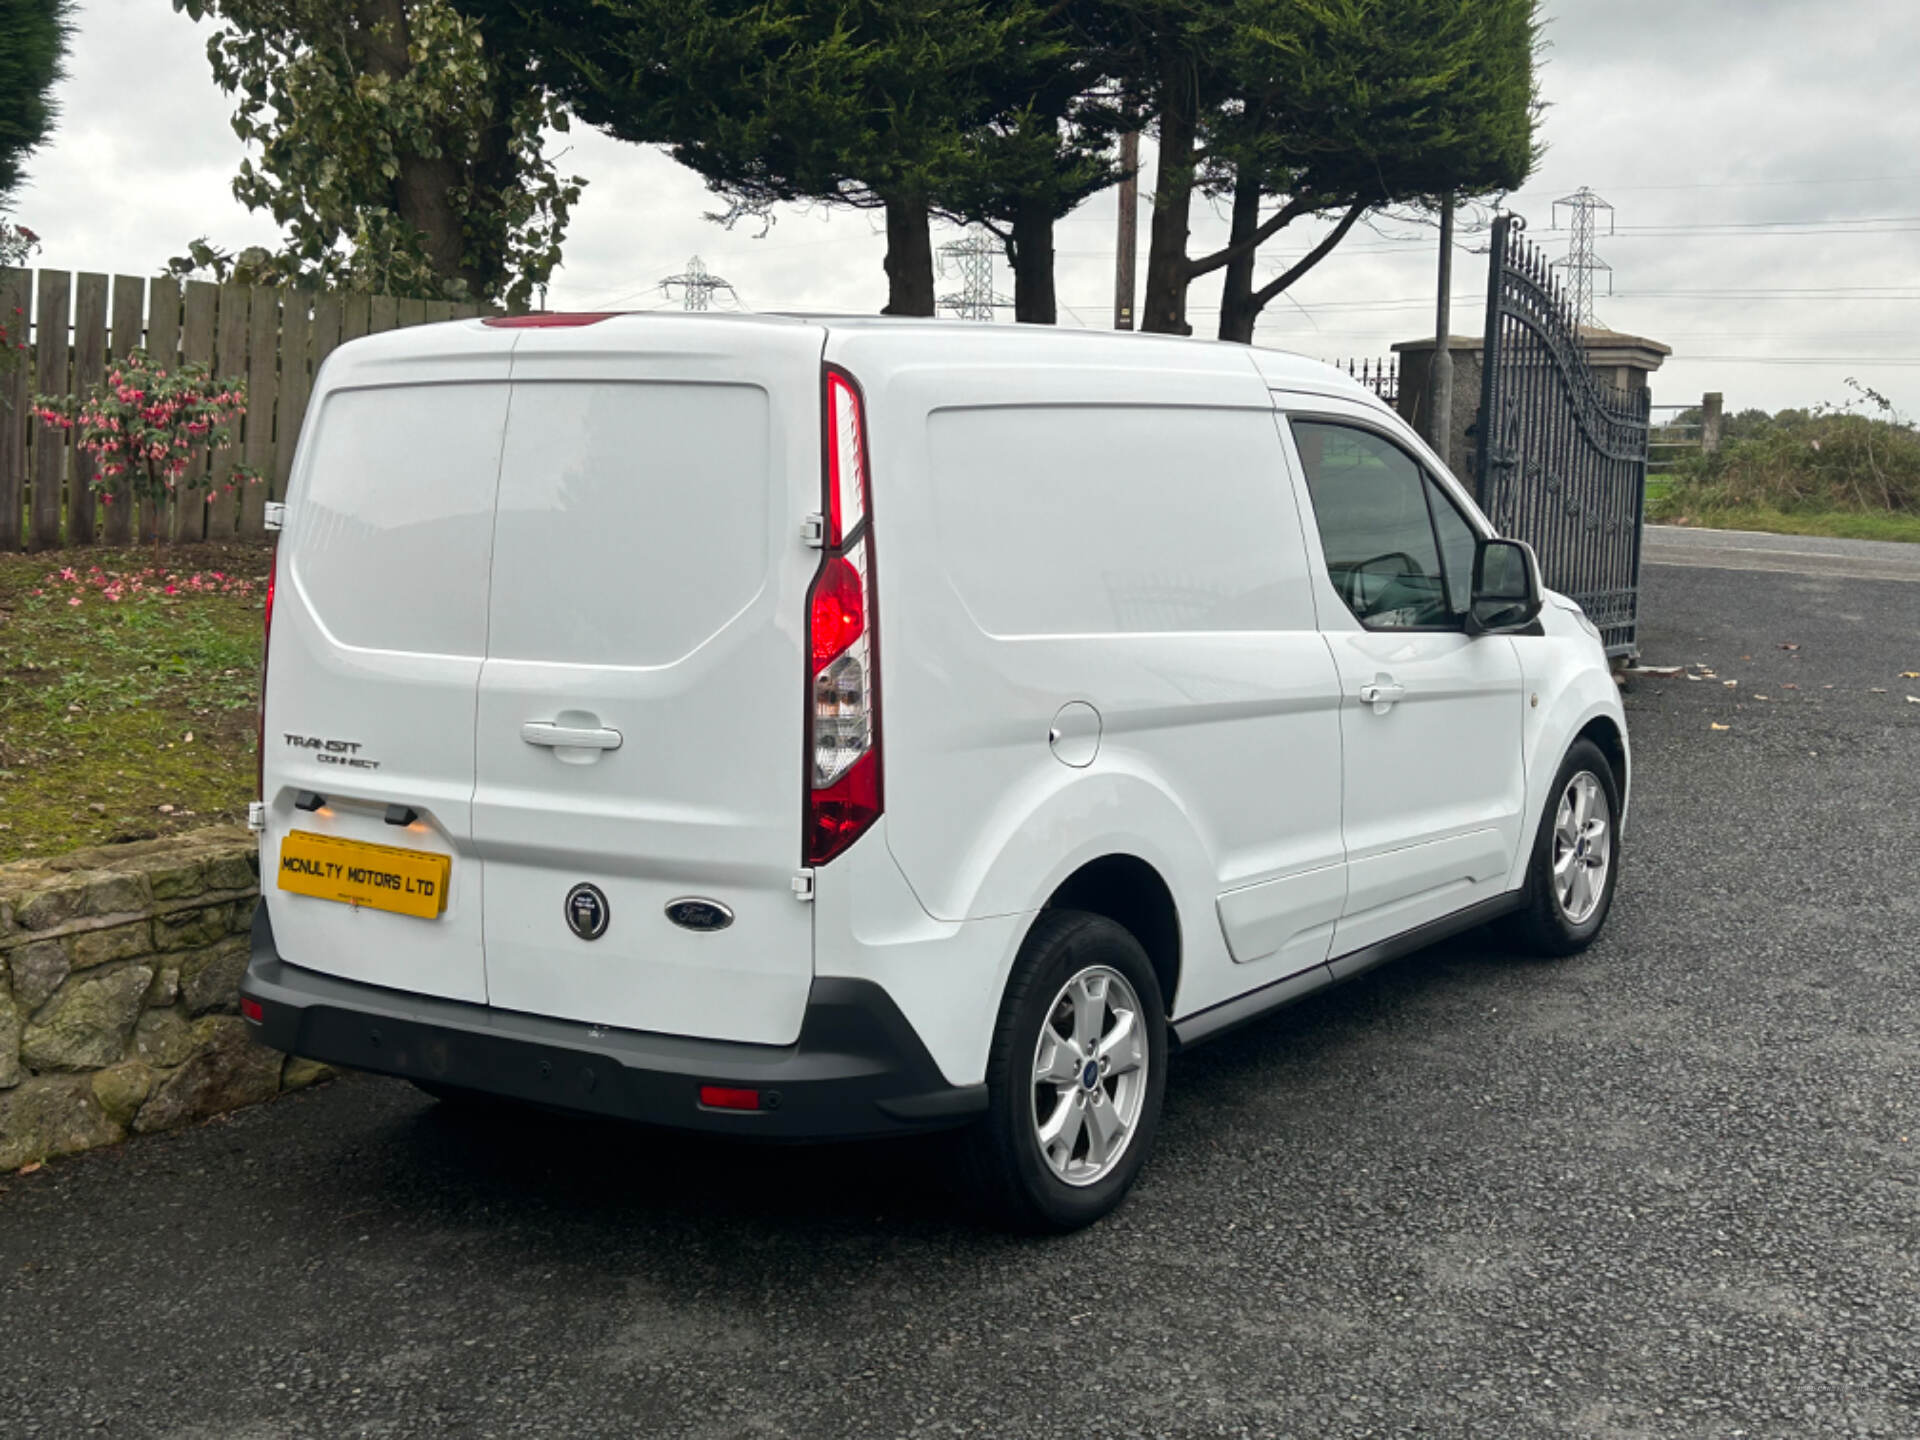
{"points": [[692, 913]]}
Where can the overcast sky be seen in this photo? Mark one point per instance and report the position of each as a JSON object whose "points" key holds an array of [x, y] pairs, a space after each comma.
{"points": [[1762, 158]]}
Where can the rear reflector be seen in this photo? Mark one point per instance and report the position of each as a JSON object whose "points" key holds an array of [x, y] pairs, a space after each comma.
{"points": [[547, 319], [723, 1097], [251, 1009]]}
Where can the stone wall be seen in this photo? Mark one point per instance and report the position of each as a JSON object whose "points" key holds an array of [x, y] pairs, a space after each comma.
{"points": [[118, 999]]}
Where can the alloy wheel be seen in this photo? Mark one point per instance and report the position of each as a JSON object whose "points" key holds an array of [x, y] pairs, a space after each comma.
{"points": [[1089, 1075], [1582, 847]]}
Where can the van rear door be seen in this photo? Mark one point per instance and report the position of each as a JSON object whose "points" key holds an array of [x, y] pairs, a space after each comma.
{"points": [[378, 633], [640, 726]]}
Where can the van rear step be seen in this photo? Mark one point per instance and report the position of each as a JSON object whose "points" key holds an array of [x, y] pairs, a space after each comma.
{"points": [[858, 1068]]}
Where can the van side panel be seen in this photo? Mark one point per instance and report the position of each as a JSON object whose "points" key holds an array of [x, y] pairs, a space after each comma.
{"points": [[1123, 534]]}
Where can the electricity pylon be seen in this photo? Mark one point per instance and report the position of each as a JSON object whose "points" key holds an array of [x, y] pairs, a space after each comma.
{"points": [[1581, 264], [697, 285]]}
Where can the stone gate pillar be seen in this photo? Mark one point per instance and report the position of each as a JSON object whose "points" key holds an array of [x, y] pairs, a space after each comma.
{"points": [[1624, 361]]}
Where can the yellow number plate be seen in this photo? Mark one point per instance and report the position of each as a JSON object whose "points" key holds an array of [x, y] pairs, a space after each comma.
{"points": [[381, 877]]}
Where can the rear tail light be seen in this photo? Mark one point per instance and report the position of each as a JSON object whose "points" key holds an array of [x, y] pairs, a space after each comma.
{"points": [[266, 645], [251, 1009], [843, 692]]}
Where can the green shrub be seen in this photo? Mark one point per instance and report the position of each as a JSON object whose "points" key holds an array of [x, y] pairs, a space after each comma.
{"points": [[1857, 457]]}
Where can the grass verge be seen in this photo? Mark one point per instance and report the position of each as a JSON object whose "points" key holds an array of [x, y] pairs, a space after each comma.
{"points": [[1673, 508], [128, 693]]}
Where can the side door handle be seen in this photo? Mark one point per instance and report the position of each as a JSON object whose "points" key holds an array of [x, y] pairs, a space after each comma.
{"points": [[1382, 692], [542, 732]]}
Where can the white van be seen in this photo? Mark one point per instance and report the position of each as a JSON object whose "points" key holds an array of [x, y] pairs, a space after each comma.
{"points": [[799, 728]]}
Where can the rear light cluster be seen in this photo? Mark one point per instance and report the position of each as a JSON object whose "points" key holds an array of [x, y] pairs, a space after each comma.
{"points": [[843, 705]]}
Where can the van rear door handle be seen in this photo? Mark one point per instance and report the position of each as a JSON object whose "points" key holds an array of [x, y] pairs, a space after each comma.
{"points": [[542, 732], [1381, 693]]}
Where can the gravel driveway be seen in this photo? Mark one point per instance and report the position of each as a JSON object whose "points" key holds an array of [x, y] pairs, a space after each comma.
{"points": [[1667, 1188]]}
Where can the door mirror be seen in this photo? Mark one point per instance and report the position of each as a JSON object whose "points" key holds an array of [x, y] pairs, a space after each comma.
{"points": [[1506, 588]]}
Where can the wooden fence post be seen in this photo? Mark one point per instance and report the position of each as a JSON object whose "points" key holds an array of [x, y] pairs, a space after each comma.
{"points": [[294, 385], [263, 346], [356, 317], [16, 294], [328, 311], [163, 345], [89, 368], [196, 345], [383, 313], [229, 359], [51, 354], [129, 311]]}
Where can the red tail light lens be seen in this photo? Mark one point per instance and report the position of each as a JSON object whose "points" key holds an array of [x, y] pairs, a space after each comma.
{"points": [[839, 609], [251, 1009], [846, 458], [843, 693]]}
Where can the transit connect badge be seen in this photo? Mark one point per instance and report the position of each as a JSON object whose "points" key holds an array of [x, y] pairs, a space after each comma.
{"points": [[588, 912]]}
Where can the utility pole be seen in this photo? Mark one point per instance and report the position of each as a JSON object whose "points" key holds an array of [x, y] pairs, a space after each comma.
{"points": [[1440, 368], [1129, 231]]}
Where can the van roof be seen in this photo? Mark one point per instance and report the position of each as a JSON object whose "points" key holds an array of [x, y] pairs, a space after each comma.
{"points": [[1280, 369]]}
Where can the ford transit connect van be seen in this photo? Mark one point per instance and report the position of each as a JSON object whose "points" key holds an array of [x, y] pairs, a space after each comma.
{"points": [[798, 728]]}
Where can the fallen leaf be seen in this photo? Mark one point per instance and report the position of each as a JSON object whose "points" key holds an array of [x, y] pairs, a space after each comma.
{"points": [[1696, 677], [1759, 697], [1790, 647], [1789, 687], [1729, 683], [1910, 674], [1913, 699], [1716, 725], [1663, 672], [30, 1167], [166, 809], [1877, 690]]}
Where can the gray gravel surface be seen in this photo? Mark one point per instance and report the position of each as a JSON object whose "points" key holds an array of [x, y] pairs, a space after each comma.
{"points": [[1667, 1188]]}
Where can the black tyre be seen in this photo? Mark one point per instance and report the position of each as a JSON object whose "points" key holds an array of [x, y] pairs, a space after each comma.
{"points": [[1576, 857], [1074, 1078]]}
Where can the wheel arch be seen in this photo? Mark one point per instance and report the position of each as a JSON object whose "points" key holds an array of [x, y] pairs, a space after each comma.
{"points": [[1135, 896], [1611, 741]]}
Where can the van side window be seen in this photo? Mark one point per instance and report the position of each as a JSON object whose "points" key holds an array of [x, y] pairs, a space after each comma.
{"points": [[1370, 500], [1457, 544]]}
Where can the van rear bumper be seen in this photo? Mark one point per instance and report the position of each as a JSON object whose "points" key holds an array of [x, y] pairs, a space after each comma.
{"points": [[858, 1068]]}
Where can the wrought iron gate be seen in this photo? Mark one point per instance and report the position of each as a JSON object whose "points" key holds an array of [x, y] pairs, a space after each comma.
{"points": [[1563, 455]]}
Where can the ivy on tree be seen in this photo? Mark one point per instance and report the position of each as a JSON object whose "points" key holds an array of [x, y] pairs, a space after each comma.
{"points": [[401, 144]]}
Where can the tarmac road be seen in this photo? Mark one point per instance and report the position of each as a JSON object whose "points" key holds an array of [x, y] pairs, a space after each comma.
{"points": [[1668, 1188]]}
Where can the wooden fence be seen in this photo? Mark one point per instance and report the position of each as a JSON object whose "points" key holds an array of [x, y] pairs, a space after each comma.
{"points": [[272, 337]]}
